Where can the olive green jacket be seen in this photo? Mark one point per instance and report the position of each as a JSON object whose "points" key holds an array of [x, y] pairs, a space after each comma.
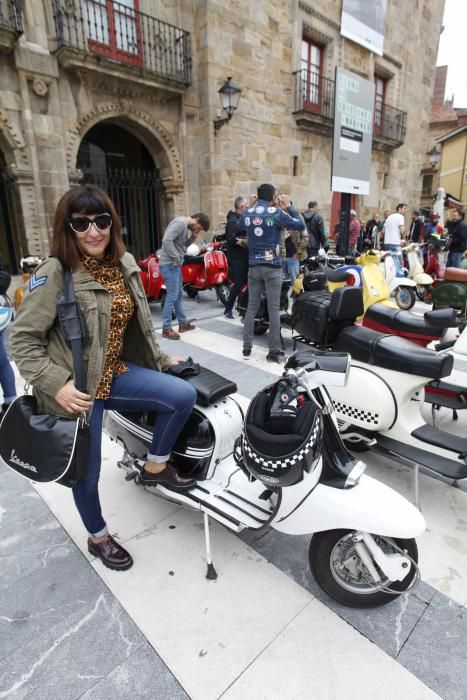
{"points": [[40, 351]]}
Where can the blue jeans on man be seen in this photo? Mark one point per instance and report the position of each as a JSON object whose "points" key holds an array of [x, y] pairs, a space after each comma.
{"points": [[292, 269], [139, 389], [172, 276], [7, 376], [454, 259]]}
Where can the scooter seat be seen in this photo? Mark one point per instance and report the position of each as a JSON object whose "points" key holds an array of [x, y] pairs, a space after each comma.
{"points": [[441, 318], [387, 319], [336, 275], [455, 274], [210, 386], [392, 352]]}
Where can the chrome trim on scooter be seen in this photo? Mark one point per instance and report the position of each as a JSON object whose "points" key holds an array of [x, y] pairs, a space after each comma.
{"points": [[355, 474]]}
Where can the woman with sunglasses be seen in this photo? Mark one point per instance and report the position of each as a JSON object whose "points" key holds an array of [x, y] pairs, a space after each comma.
{"points": [[123, 363]]}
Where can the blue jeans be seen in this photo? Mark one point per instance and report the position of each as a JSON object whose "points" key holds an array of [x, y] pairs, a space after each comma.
{"points": [[454, 259], [172, 276], [139, 389], [7, 376], [292, 269]]}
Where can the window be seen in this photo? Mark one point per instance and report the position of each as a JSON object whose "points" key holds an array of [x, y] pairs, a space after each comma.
{"points": [[113, 29], [312, 69], [427, 185], [380, 95]]}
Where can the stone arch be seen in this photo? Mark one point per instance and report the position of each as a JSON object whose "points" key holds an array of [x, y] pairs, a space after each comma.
{"points": [[156, 139]]}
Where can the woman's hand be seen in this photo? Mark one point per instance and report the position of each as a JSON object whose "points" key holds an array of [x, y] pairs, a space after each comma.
{"points": [[175, 360], [72, 400]]}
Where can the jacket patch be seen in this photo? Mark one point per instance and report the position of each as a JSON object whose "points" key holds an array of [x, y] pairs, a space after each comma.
{"points": [[35, 282]]}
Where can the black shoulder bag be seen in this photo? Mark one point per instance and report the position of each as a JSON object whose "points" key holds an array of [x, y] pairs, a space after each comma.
{"points": [[40, 446]]}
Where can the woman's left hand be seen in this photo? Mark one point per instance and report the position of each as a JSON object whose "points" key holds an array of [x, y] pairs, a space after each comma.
{"points": [[176, 359]]}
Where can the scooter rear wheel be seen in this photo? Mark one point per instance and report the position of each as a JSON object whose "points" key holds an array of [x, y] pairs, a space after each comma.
{"points": [[341, 574]]}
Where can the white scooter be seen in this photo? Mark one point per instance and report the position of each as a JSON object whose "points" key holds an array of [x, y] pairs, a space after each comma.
{"points": [[363, 552], [380, 405], [399, 284], [424, 282]]}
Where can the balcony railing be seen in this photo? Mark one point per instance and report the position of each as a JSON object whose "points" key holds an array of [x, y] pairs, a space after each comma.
{"points": [[314, 109], [11, 15], [126, 36]]}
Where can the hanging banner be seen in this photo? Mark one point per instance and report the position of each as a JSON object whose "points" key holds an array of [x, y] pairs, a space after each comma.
{"points": [[353, 133], [363, 22]]}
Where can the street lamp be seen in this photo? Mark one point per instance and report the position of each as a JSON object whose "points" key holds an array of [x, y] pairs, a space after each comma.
{"points": [[229, 95], [434, 155]]}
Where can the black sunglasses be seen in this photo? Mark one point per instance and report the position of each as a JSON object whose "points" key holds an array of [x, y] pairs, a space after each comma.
{"points": [[82, 224]]}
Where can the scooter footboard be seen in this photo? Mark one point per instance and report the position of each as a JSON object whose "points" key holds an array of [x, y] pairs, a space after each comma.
{"points": [[369, 506]]}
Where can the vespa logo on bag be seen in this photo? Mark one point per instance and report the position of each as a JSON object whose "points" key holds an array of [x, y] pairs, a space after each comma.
{"points": [[25, 465]]}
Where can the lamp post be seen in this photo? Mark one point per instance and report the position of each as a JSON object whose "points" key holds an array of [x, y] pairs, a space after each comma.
{"points": [[229, 95], [434, 155]]}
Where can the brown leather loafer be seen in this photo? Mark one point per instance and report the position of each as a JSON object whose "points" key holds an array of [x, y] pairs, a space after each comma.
{"points": [[168, 477], [183, 327], [111, 554], [170, 333]]}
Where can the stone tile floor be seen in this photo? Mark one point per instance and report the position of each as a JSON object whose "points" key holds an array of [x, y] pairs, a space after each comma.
{"points": [[71, 630]]}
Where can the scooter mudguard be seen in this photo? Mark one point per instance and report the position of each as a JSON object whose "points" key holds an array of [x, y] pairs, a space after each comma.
{"points": [[369, 506], [422, 279], [450, 294]]}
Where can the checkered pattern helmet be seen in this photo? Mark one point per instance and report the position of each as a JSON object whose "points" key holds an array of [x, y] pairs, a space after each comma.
{"points": [[278, 449]]}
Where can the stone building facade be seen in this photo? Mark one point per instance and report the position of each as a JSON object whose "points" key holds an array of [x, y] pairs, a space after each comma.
{"points": [[125, 95]]}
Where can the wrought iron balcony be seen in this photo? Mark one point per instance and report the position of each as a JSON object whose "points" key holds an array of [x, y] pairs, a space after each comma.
{"points": [[11, 23], [109, 30], [314, 110]]}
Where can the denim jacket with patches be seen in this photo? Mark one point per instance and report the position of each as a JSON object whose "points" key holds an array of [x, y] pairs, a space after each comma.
{"points": [[263, 224]]}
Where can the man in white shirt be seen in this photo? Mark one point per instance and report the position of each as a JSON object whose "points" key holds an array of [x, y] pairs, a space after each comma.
{"points": [[394, 228]]}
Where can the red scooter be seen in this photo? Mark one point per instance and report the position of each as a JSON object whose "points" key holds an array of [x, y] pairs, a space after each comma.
{"points": [[153, 282], [207, 270]]}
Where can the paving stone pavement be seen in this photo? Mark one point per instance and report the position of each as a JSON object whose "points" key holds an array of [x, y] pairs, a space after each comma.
{"points": [[63, 634]]}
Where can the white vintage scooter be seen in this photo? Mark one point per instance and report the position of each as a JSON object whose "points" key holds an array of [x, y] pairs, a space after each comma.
{"points": [[363, 552], [379, 407], [399, 284], [423, 282]]}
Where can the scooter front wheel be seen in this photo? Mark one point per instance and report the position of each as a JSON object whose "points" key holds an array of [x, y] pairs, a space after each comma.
{"points": [[342, 575], [223, 292], [405, 297]]}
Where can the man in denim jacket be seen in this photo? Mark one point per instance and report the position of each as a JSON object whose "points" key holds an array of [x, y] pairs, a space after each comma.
{"points": [[263, 222]]}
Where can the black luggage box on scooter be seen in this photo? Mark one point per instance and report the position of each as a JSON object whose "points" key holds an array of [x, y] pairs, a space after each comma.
{"points": [[320, 316]]}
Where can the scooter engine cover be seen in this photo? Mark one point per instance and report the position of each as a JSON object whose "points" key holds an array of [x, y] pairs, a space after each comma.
{"points": [[277, 450]]}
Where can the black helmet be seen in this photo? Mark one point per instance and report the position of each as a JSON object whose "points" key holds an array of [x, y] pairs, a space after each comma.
{"points": [[279, 443], [314, 280]]}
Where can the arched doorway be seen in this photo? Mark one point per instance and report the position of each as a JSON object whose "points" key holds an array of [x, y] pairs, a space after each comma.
{"points": [[10, 244], [111, 157]]}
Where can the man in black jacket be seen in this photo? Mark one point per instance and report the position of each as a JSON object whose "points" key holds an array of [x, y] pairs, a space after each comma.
{"points": [[315, 227], [237, 254], [458, 241]]}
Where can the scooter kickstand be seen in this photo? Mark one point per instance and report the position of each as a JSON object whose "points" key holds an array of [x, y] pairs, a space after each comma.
{"points": [[211, 573]]}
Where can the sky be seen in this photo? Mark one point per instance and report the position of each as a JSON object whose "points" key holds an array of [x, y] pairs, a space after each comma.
{"points": [[451, 50]]}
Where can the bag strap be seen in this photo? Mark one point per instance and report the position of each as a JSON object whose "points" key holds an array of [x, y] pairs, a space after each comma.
{"points": [[71, 322]]}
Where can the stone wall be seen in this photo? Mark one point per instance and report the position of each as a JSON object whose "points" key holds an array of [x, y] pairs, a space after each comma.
{"points": [[47, 104]]}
